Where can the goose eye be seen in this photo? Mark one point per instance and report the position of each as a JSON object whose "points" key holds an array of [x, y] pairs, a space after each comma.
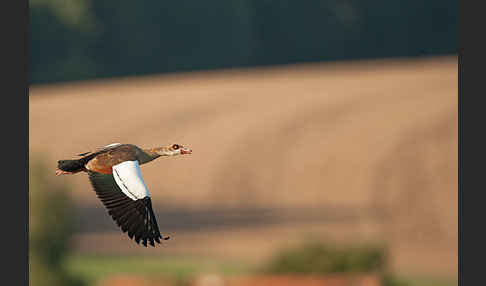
{"points": [[175, 146]]}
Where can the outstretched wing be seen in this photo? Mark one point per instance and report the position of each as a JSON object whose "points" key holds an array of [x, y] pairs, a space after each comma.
{"points": [[101, 149], [128, 201]]}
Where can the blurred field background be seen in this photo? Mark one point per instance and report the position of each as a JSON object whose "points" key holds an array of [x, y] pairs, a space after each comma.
{"points": [[324, 137]]}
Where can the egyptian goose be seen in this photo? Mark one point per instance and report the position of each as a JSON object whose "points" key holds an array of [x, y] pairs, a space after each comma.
{"points": [[115, 175]]}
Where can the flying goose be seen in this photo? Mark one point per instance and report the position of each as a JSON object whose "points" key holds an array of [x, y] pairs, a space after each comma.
{"points": [[115, 175]]}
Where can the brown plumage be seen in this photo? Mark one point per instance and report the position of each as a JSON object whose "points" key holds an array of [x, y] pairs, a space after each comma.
{"points": [[104, 160], [115, 176]]}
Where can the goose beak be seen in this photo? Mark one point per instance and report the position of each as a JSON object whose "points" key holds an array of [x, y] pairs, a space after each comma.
{"points": [[186, 151]]}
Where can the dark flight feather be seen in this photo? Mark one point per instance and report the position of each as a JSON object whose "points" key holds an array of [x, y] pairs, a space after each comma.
{"points": [[133, 216]]}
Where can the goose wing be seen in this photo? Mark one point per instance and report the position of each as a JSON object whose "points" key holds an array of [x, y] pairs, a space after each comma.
{"points": [[127, 199], [101, 149]]}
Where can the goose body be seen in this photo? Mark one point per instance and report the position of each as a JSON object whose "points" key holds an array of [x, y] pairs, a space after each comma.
{"points": [[114, 173]]}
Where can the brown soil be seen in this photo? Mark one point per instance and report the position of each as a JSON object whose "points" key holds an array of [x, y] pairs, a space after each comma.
{"points": [[374, 135]]}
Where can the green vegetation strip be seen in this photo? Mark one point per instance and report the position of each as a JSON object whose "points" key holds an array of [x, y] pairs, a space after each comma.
{"points": [[426, 281], [92, 268]]}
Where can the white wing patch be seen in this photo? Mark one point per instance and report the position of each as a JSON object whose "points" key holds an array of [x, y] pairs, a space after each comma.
{"points": [[129, 178], [110, 145], [101, 148]]}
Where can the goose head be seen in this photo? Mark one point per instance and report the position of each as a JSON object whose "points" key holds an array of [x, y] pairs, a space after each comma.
{"points": [[173, 150]]}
